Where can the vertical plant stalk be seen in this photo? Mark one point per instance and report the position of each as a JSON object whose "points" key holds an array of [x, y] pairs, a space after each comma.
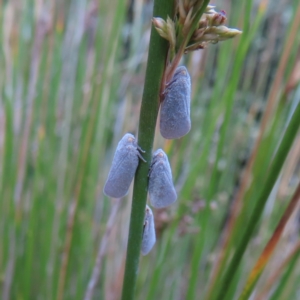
{"points": [[277, 273], [158, 50], [272, 101], [274, 171], [271, 104], [101, 252], [9, 272], [270, 247], [41, 31], [76, 33]]}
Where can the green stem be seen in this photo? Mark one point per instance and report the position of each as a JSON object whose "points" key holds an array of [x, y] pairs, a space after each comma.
{"points": [[274, 171], [278, 294], [158, 50]]}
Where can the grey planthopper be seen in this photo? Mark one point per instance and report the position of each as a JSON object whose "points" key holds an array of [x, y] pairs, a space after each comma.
{"points": [[124, 165], [149, 237], [161, 189], [175, 120]]}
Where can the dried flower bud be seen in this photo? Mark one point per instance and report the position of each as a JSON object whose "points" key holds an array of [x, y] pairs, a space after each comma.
{"points": [[219, 18], [199, 33], [165, 29], [203, 23], [210, 9], [227, 33], [161, 27], [171, 32], [188, 21], [215, 34]]}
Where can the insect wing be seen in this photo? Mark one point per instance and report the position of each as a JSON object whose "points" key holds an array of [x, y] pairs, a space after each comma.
{"points": [[161, 189], [149, 236], [175, 120], [123, 168]]}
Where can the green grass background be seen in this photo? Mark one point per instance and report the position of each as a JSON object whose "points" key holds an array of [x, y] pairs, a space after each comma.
{"points": [[71, 82]]}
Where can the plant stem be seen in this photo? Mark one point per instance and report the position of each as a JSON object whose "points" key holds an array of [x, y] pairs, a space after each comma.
{"points": [[158, 50], [293, 256], [274, 171], [89, 293], [270, 247]]}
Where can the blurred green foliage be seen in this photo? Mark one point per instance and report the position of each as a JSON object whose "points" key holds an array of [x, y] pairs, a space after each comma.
{"points": [[71, 82]]}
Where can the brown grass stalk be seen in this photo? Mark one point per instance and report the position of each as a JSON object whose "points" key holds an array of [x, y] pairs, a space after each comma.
{"points": [[101, 252], [271, 245], [245, 181], [277, 273]]}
